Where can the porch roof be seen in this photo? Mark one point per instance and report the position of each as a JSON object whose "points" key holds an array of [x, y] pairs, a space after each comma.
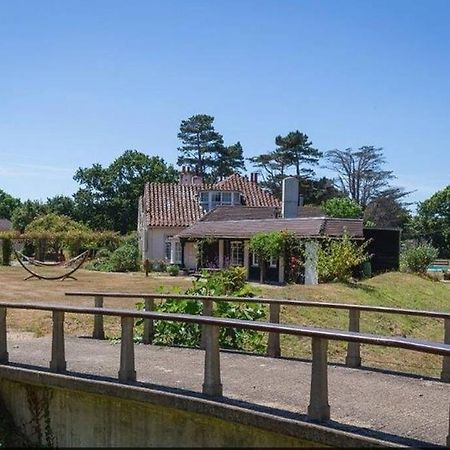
{"points": [[301, 226]]}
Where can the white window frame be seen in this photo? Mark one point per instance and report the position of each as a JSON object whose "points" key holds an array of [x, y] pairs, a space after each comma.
{"points": [[167, 247], [178, 252], [273, 261], [211, 199], [229, 201], [236, 259], [168, 250], [255, 260]]}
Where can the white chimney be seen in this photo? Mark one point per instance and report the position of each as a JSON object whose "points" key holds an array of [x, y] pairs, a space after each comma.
{"points": [[290, 195]]}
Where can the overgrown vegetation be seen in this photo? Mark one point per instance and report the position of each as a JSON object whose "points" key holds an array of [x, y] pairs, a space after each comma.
{"points": [[417, 256], [343, 207], [229, 282], [125, 258], [338, 257]]}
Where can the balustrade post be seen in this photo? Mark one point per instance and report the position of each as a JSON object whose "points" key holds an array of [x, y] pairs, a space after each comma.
{"points": [[207, 311], [273, 344], [212, 385], [448, 436], [353, 358], [445, 374], [127, 370], [149, 329], [58, 362], [318, 408], [99, 330], [3, 340]]}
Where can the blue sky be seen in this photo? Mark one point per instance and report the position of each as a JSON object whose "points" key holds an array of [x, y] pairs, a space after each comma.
{"points": [[82, 81]]}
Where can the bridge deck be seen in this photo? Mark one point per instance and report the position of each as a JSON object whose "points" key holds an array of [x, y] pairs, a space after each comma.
{"points": [[398, 408]]}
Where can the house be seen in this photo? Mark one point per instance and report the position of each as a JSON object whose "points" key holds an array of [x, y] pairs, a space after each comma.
{"points": [[176, 220], [166, 209]]}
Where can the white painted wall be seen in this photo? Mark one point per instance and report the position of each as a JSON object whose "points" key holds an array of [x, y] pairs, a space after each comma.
{"points": [[154, 241]]}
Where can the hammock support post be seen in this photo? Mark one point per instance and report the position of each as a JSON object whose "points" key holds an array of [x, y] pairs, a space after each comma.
{"points": [[79, 260]]}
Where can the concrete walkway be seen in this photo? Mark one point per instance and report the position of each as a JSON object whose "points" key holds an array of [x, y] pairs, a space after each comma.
{"points": [[400, 409]]}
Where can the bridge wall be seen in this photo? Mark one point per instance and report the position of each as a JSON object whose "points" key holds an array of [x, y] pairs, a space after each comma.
{"points": [[64, 411]]}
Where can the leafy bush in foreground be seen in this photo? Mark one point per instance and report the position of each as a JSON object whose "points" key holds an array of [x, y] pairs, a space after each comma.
{"points": [[229, 282]]}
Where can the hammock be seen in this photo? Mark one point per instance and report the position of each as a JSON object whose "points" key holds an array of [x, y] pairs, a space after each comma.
{"points": [[77, 262], [36, 262]]}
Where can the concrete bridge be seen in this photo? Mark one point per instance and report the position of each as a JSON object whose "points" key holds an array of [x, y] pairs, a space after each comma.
{"points": [[187, 397]]}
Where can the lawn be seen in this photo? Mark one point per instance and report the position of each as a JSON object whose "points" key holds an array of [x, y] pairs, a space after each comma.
{"points": [[390, 289]]}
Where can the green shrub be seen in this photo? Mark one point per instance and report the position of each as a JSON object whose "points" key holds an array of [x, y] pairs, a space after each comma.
{"points": [[173, 269], [342, 207], [416, 257], [229, 282], [338, 257], [125, 258]]}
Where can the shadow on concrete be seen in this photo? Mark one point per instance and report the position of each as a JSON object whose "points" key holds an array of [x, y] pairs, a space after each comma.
{"points": [[284, 414]]}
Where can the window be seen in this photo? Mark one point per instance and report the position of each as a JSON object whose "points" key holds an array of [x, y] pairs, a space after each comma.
{"points": [[204, 200], [237, 253], [212, 199], [226, 198], [255, 262], [167, 246], [168, 250], [178, 252]]}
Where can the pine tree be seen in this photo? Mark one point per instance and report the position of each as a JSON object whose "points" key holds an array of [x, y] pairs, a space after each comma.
{"points": [[200, 144], [229, 160]]}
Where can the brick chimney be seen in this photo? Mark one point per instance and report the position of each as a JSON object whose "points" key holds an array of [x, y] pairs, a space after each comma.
{"points": [[254, 177], [188, 177]]}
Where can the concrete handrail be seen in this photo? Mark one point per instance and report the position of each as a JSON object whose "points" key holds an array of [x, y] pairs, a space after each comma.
{"points": [[287, 302], [353, 358], [318, 408]]}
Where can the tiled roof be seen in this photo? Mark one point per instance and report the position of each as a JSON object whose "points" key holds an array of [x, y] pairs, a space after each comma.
{"points": [[5, 225], [177, 205], [241, 213], [253, 193], [302, 227]]}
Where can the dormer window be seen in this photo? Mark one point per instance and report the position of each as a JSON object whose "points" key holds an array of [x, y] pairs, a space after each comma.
{"points": [[211, 199]]}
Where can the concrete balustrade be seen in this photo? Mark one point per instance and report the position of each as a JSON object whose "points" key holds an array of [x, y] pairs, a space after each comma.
{"points": [[353, 357], [149, 327], [3, 341], [212, 384], [207, 310], [58, 361], [127, 372], [99, 330], [273, 343], [445, 374], [318, 409]]}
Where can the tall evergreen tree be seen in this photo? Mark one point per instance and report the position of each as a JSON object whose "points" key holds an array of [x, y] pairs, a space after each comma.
{"points": [[293, 151], [201, 144], [229, 160], [298, 151]]}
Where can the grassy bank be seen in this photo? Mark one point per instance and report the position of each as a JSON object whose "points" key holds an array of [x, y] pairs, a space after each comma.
{"points": [[391, 289]]}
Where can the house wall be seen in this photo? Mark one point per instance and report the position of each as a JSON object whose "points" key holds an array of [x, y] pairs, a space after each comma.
{"points": [[153, 241]]}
